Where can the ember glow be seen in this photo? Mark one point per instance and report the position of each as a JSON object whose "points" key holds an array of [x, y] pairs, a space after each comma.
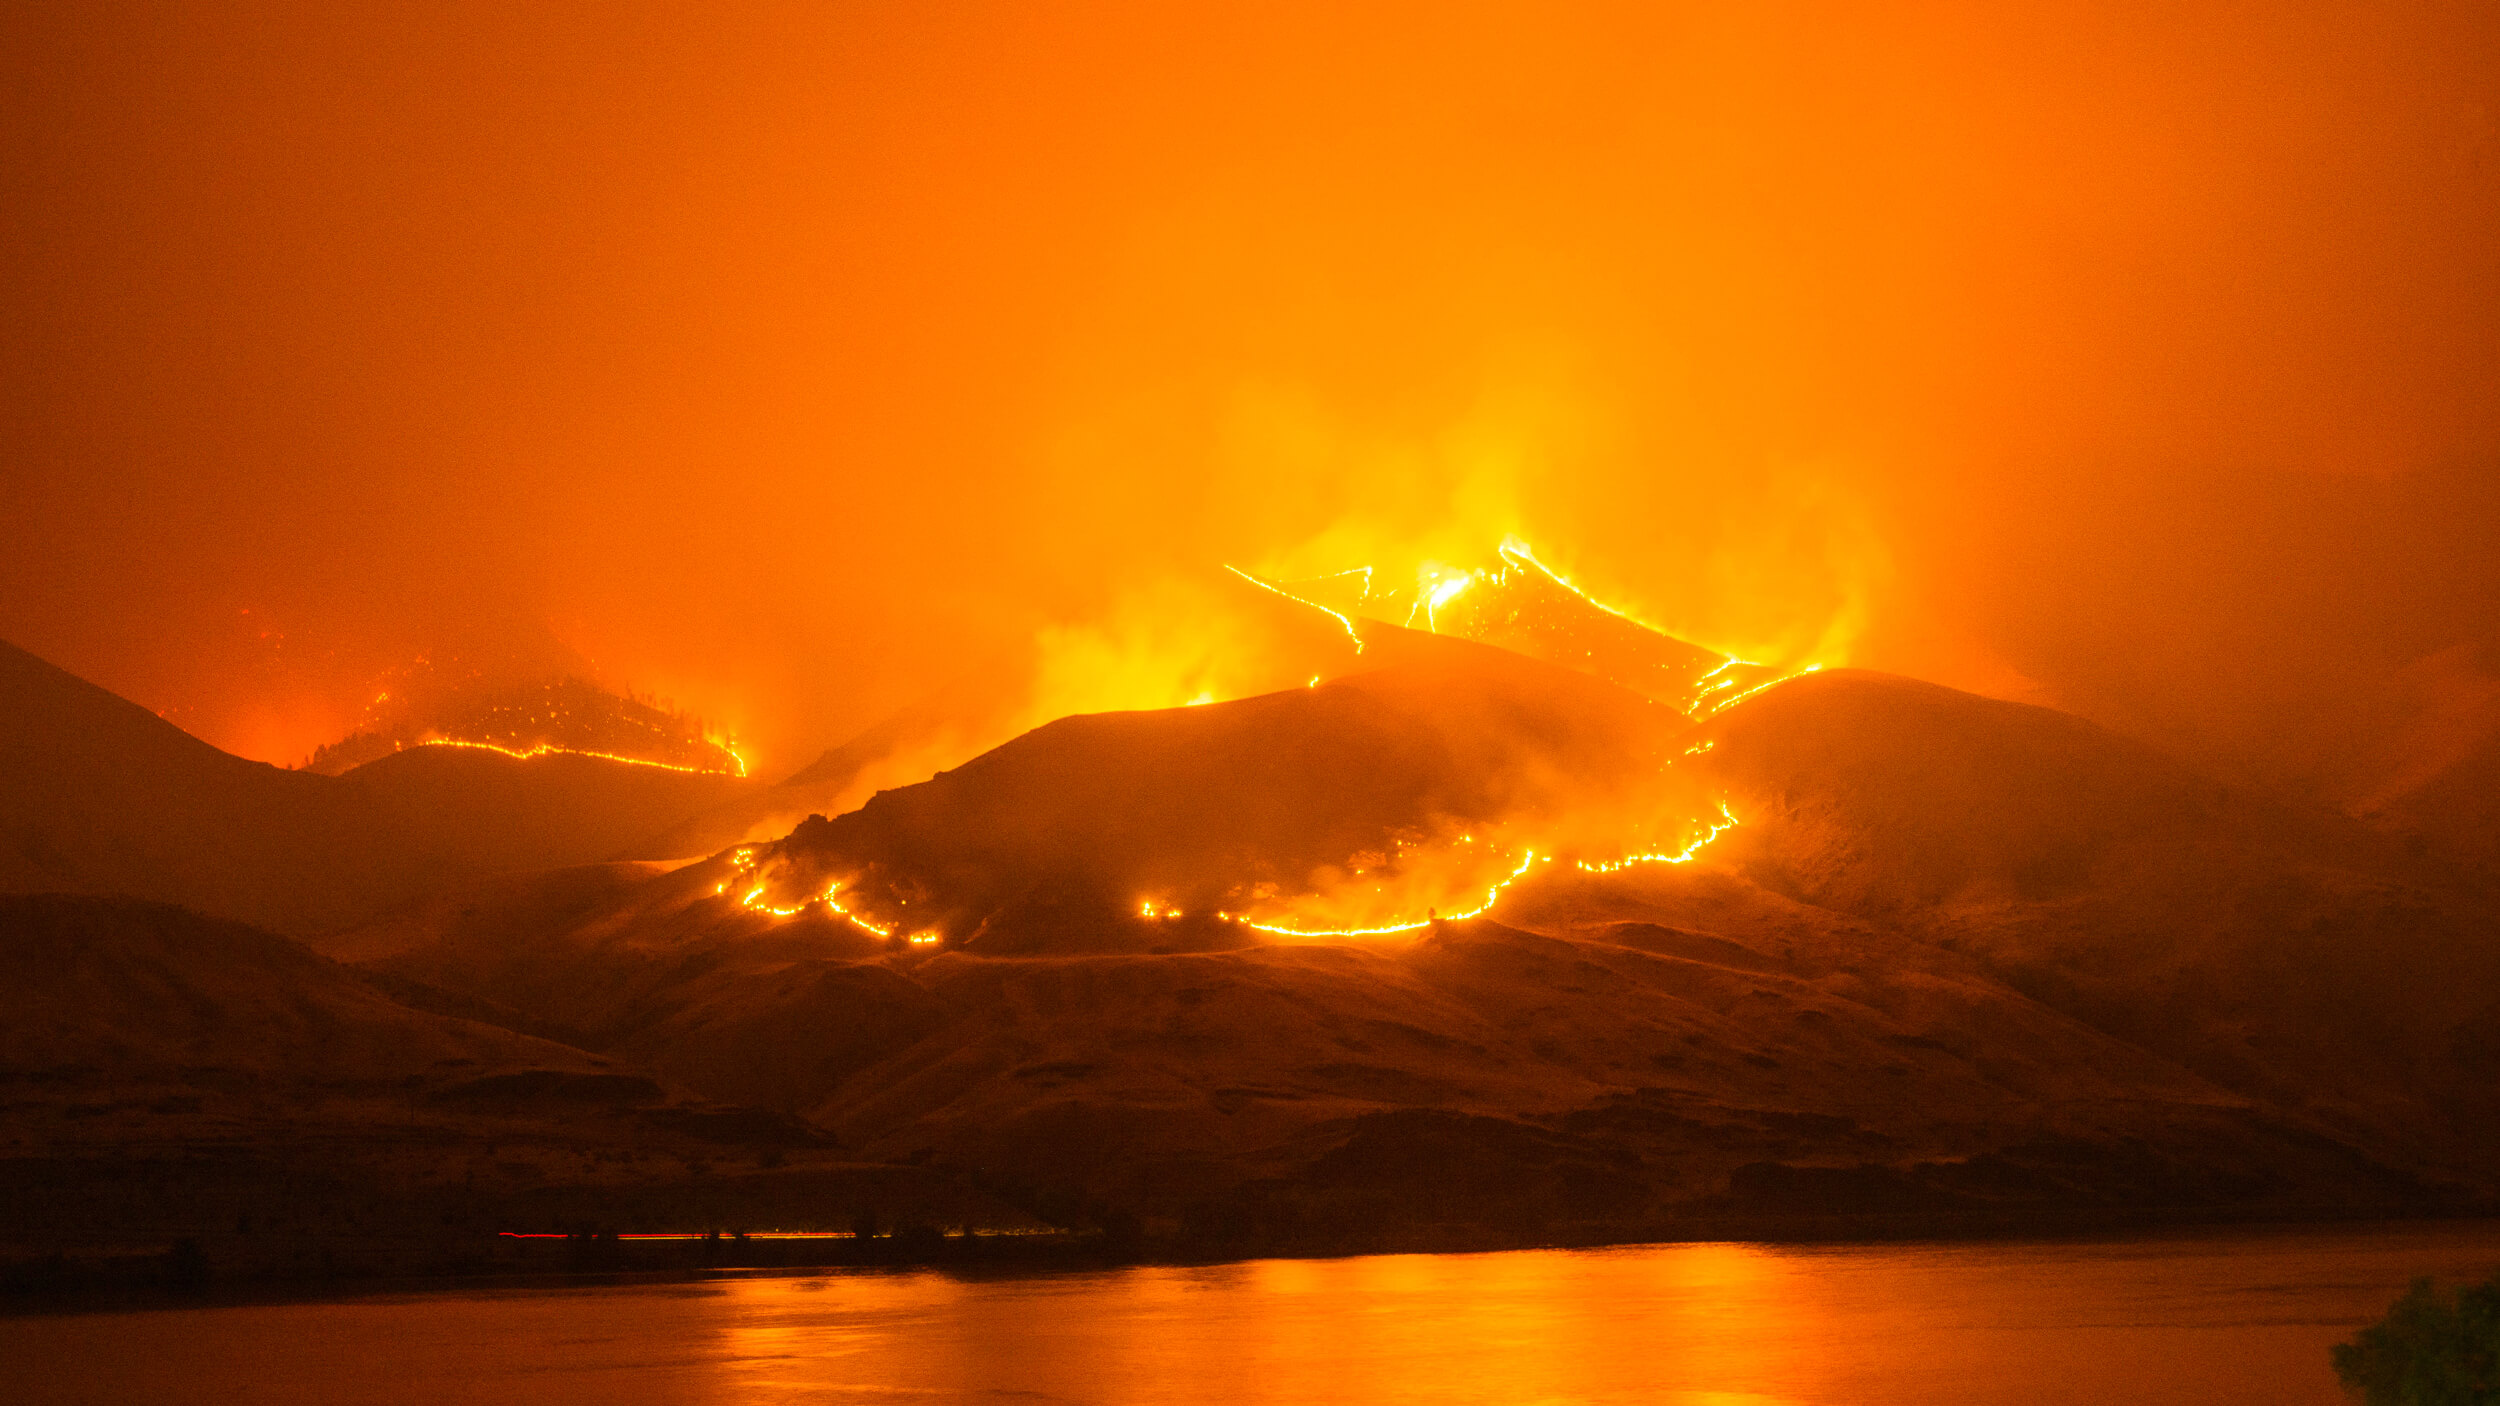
{"points": [[1685, 855], [744, 862], [737, 764], [1225, 633], [1353, 635], [1492, 895]]}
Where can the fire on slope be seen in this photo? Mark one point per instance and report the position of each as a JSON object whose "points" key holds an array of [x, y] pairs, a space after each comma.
{"points": [[1406, 892], [1395, 870], [568, 716], [1519, 603]]}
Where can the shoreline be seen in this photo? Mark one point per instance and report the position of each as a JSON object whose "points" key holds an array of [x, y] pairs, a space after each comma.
{"points": [[156, 1282]]}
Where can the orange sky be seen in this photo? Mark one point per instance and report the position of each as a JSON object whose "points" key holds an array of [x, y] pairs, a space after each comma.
{"points": [[775, 361]]}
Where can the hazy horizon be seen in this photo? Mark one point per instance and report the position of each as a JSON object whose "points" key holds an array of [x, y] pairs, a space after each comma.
{"points": [[789, 364]]}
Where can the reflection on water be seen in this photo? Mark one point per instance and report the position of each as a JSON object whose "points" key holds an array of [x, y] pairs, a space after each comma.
{"points": [[2220, 1318]]}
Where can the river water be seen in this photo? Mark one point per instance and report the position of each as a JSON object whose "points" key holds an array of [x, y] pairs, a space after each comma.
{"points": [[2209, 1318]]}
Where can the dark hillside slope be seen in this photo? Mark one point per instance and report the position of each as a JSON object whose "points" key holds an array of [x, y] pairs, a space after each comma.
{"points": [[113, 986], [167, 1078], [97, 795], [2289, 953], [1959, 959], [1055, 836]]}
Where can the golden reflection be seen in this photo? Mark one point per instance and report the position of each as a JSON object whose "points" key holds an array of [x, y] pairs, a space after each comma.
{"points": [[2185, 1321], [1691, 1325]]}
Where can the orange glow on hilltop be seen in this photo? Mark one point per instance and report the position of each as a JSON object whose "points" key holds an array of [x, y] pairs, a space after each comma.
{"points": [[1351, 632], [737, 767]]}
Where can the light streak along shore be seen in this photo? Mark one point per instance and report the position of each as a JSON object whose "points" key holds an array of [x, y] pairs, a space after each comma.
{"points": [[733, 1236]]}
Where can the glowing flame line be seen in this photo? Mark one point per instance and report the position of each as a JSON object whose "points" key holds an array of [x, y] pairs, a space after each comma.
{"points": [[1350, 632], [744, 860], [1733, 699], [1442, 595], [1690, 851], [549, 749], [1363, 571], [1517, 552], [1491, 895]]}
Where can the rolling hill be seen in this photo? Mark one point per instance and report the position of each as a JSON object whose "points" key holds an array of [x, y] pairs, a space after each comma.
{"points": [[98, 795], [1960, 962]]}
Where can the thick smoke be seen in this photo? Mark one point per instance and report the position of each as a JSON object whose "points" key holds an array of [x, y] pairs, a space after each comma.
{"points": [[793, 366]]}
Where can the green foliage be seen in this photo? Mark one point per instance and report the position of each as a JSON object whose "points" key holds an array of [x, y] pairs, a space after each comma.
{"points": [[2430, 1350]]}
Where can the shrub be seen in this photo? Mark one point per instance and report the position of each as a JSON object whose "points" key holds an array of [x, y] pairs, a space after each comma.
{"points": [[2430, 1350]]}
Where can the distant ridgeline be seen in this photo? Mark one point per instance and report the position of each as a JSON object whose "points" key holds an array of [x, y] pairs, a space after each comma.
{"points": [[568, 714]]}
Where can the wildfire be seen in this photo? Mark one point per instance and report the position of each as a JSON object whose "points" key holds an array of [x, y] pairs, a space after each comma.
{"points": [[1506, 603], [737, 767], [1155, 910], [1529, 860], [1519, 553], [1350, 632], [1441, 595], [1685, 856], [1725, 703], [743, 860]]}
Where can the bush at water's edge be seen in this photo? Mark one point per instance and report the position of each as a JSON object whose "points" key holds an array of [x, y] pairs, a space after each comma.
{"points": [[2430, 1350]]}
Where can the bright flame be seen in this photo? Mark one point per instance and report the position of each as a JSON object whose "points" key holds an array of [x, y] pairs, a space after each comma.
{"points": [[1442, 595], [1518, 552], [1491, 896], [744, 861], [1685, 856], [1725, 703], [738, 764], [1350, 632]]}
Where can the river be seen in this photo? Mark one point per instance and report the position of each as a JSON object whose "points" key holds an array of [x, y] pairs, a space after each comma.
{"points": [[2208, 1318]]}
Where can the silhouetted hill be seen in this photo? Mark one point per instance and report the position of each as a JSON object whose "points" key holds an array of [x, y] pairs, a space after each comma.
{"points": [[1275, 642], [1054, 838], [1960, 959], [2292, 954], [170, 1078], [110, 986], [2453, 813], [97, 795]]}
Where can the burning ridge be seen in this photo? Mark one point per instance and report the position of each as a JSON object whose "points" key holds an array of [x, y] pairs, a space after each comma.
{"points": [[559, 716], [1367, 804]]}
